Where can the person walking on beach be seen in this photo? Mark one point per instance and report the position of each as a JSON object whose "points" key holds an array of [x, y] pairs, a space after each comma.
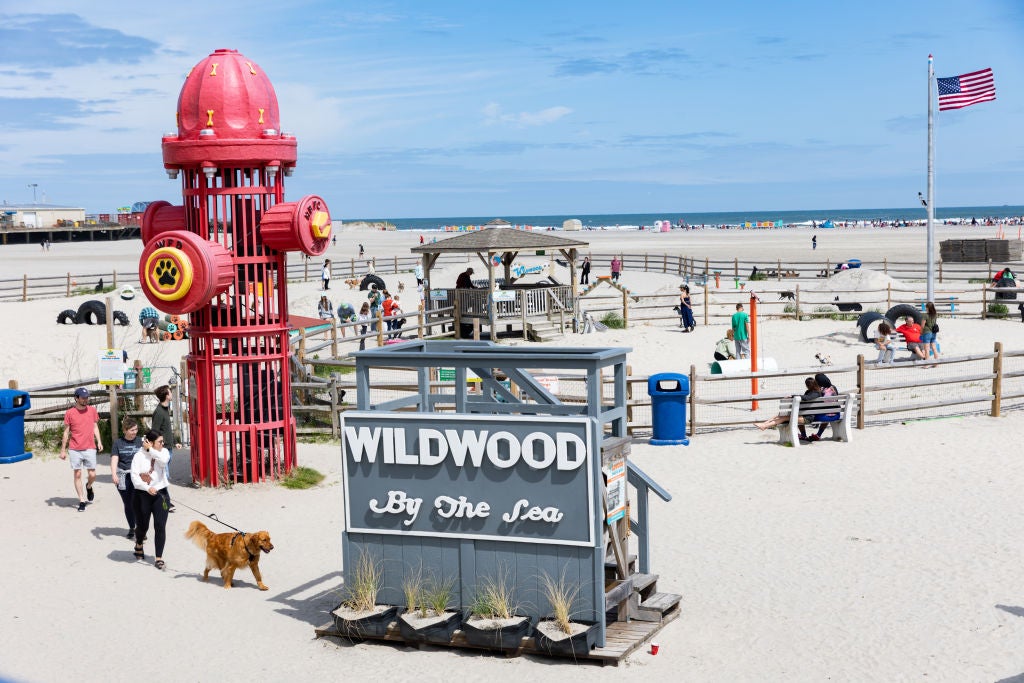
{"points": [[741, 332], [363, 318], [814, 242], [325, 274], [585, 271], [121, 454], [80, 442], [163, 426], [361, 251], [616, 268], [149, 477]]}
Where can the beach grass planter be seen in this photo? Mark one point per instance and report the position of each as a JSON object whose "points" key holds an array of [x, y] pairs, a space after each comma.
{"points": [[497, 634], [362, 625], [549, 638], [435, 629]]}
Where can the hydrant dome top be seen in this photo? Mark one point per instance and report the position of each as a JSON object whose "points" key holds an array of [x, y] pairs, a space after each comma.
{"points": [[230, 95]]}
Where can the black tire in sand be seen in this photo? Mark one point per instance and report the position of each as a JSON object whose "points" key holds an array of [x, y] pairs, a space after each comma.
{"points": [[901, 311], [92, 313], [868, 324]]}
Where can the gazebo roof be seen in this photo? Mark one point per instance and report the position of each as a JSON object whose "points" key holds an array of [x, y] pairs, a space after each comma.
{"points": [[498, 239]]}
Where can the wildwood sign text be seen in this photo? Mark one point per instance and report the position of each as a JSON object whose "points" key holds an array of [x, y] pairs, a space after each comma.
{"points": [[524, 479]]}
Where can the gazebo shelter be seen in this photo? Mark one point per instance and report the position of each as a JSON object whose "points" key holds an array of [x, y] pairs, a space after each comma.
{"points": [[538, 309]]}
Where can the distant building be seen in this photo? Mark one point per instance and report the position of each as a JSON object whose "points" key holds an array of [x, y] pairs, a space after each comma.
{"points": [[39, 216]]}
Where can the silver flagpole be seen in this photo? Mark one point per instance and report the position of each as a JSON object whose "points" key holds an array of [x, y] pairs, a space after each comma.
{"points": [[931, 181]]}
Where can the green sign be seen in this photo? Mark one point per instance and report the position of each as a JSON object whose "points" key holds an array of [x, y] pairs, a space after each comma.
{"points": [[147, 375]]}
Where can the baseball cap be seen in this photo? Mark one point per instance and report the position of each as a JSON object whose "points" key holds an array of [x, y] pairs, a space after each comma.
{"points": [[81, 392]]}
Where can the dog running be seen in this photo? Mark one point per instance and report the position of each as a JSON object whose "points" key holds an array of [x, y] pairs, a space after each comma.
{"points": [[787, 295], [231, 551]]}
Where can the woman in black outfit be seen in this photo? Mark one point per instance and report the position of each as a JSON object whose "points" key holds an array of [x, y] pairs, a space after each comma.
{"points": [[121, 454]]}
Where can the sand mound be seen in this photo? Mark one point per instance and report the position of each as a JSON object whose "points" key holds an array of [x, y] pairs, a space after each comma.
{"points": [[858, 279]]}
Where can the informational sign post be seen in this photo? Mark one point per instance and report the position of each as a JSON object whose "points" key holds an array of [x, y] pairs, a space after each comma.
{"points": [[111, 366]]}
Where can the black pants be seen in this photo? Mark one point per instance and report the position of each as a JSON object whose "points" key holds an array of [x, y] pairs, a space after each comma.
{"points": [[585, 278], [719, 356], [146, 505], [126, 499]]}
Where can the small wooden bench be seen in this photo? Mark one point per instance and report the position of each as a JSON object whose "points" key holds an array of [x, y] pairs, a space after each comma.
{"points": [[837, 411]]}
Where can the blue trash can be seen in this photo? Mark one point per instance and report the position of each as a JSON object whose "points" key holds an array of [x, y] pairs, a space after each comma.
{"points": [[13, 404], [668, 392]]}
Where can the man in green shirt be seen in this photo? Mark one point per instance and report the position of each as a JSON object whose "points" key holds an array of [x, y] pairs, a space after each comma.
{"points": [[741, 332]]}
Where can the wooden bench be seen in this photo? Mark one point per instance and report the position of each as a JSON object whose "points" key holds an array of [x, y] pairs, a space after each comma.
{"points": [[837, 411]]}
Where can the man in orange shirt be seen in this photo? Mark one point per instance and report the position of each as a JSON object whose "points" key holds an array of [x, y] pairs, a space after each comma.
{"points": [[82, 434], [911, 332]]}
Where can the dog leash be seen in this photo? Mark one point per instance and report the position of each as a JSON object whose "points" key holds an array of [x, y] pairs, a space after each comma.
{"points": [[212, 516]]}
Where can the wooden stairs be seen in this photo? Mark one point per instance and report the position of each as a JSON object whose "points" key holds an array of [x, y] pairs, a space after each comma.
{"points": [[646, 603], [542, 330]]}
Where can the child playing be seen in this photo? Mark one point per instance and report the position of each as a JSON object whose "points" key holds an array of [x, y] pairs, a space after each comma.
{"points": [[884, 343]]}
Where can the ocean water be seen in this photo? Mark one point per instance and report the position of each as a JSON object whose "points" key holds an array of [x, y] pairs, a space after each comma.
{"points": [[633, 220]]}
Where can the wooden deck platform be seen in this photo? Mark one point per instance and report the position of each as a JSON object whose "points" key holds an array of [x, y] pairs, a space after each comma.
{"points": [[621, 640]]}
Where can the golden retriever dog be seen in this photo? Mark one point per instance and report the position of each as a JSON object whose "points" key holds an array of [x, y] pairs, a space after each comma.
{"points": [[352, 283], [230, 551]]}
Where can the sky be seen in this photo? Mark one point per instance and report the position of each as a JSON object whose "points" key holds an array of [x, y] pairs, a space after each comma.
{"points": [[452, 108]]}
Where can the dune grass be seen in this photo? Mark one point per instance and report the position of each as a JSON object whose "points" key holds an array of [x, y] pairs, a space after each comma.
{"points": [[302, 478]]}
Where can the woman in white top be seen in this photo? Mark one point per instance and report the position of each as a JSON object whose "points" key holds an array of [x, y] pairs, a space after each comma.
{"points": [[149, 476], [363, 318]]}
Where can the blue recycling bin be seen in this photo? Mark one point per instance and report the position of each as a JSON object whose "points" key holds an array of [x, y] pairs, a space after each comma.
{"points": [[13, 404], [669, 392]]}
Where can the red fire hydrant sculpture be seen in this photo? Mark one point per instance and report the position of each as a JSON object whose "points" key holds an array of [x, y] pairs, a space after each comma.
{"points": [[221, 259]]}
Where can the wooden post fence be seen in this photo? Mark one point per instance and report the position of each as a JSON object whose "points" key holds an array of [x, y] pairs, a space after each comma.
{"points": [[861, 391], [704, 302], [693, 399], [997, 381]]}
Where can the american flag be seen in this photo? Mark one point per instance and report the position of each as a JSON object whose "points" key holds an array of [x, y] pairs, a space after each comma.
{"points": [[965, 90]]}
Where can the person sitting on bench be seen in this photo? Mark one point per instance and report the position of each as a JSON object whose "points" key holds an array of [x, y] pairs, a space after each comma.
{"points": [[813, 391], [911, 332], [827, 389]]}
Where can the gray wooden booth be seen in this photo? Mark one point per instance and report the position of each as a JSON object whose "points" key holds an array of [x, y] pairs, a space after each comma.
{"points": [[506, 303], [588, 547]]}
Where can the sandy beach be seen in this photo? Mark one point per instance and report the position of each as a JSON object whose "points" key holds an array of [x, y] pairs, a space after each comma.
{"points": [[893, 557]]}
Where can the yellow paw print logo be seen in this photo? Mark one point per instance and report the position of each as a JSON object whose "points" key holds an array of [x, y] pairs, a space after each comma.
{"points": [[166, 273], [169, 273]]}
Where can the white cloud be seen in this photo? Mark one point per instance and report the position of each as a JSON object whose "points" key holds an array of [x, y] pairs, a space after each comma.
{"points": [[493, 115]]}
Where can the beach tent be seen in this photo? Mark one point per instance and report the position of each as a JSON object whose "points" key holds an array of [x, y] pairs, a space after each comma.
{"points": [[827, 224]]}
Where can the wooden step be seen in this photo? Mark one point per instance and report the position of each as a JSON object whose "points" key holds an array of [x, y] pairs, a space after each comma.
{"points": [[609, 563], [644, 584], [656, 607], [617, 591]]}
